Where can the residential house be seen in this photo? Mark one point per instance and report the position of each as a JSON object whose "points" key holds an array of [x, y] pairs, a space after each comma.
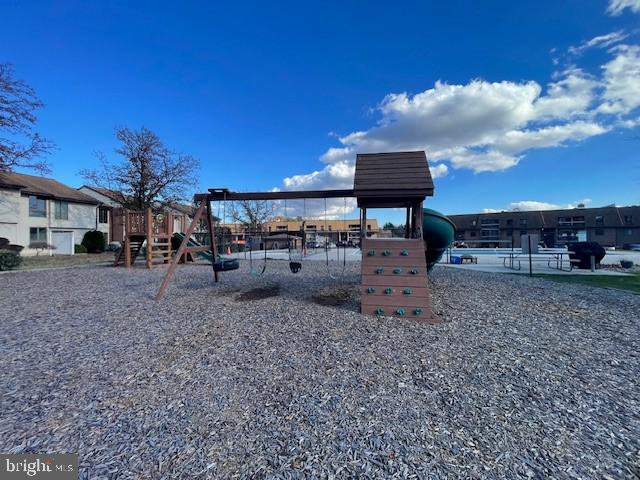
{"points": [[37, 212]]}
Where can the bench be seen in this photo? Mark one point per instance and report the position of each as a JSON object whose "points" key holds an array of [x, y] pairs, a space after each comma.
{"points": [[466, 258]]}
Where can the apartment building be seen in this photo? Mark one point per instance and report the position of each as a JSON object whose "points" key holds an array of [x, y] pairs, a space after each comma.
{"points": [[610, 226]]}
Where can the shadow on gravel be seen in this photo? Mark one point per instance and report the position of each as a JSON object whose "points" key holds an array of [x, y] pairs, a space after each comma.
{"points": [[259, 293], [345, 296]]}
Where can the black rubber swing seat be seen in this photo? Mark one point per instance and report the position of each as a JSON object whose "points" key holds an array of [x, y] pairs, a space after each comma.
{"points": [[226, 265], [295, 267]]}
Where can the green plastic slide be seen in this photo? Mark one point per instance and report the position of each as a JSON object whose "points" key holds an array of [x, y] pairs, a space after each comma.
{"points": [[438, 232]]}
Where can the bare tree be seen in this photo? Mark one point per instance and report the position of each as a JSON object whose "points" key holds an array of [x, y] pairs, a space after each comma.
{"points": [[251, 214], [20, 145], [148, 171]]}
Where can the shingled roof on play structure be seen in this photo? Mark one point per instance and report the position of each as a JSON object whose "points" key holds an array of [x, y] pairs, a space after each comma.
{"points": [[392, 178]]}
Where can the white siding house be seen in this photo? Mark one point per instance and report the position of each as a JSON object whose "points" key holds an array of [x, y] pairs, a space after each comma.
{"points": [[38, 211]]}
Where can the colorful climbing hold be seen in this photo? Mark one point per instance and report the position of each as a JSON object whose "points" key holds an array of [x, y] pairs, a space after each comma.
{"points": [[400, 312], [407, 291], [417, 311], [413, 271], [379, 270], [371, 253], [386, 253], [404, 253], [397, 270], [388, 291], [371, 290], [379, 311]]}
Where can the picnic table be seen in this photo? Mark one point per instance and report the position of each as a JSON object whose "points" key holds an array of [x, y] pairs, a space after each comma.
{"points": [[511, 259]]}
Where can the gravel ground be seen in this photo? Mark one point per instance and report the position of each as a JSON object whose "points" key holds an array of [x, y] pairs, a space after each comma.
{"points": [[280, 376]]}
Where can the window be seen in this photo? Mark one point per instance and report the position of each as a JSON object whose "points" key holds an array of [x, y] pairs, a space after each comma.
{"points": [[37, 234], [628, 220], [628, 232], [599, 220], [330, 227], [37, 207], [523, 222], [103, 215], [599, 232], [523, 232], [472, 234], [509, 222], [312, 227], [61, 210]]}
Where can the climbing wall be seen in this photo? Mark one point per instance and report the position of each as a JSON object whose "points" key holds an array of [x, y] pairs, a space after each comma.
{"points": [[394, 278]]}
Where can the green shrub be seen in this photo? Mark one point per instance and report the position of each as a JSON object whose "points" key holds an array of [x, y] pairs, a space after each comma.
{"points": [[9, 260], [79, 248], [93, 241]]}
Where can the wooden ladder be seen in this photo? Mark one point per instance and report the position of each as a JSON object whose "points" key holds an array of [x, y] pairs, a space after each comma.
{"points": [[135, 245], [394, 278]]}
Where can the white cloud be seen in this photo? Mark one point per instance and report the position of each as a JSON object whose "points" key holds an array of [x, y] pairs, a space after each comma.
{"points": [[533, 205], [600, 41], [487, 126], [616, 7], [621, 78], [439, 170]]}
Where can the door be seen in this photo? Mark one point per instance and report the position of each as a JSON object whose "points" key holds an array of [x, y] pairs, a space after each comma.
{"points": [[63, 243]]}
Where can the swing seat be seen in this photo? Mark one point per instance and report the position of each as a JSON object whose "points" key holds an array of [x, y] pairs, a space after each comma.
{"points": [[224, 265], [295, 267]]}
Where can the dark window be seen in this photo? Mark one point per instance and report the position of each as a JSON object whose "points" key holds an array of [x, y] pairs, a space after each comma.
{"points": [[312, 227], [523, 232], [599, 232], [37, 234], [103, 215], [472, 234], [628, 232], [61, 210], [330, 227], [368, 227], [523, 222], [628, 220], [509, 222], [599, 220], [37, 207], [509, 233]]}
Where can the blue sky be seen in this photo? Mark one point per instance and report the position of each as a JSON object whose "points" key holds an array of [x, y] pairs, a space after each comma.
{"points": [[513, 102]]}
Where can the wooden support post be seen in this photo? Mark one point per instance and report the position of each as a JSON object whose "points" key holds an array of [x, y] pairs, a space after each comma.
{"points": [[127, 239], [148, 228], [419, 219], [363, 228], [407, 228], [212, 240], [127, 251], [181, 251]]}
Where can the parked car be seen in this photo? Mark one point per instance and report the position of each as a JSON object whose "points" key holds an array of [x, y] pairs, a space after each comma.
{"points": [[632, 246], [341, 244]]}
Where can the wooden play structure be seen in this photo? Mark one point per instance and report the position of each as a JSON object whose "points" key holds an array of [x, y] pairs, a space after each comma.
{"points": [[154, 228], [394, 271]]}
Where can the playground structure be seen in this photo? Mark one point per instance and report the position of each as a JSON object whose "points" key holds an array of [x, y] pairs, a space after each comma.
{"points": [[149, 228], [394, 271]]}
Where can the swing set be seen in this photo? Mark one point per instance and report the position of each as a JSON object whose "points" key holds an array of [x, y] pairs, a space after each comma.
{"points": [[393, 271]]}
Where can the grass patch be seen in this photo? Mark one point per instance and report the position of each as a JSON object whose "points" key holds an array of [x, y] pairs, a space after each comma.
{"points": [[31, 262], [630, 283]]}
